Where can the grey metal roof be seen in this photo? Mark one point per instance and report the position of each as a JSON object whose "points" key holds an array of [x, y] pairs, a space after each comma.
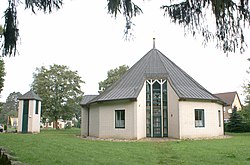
{"points": [[87, 98], [154, 65], [30, 96]]}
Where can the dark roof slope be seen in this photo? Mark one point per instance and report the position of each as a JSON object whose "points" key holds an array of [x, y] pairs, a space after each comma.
{"points": [[227, 97], [154, 65], [87, 98], [29, 96]]}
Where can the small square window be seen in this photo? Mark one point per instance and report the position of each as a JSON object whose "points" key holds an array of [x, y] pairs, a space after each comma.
{"points": [[119, 118], [199, 118]]}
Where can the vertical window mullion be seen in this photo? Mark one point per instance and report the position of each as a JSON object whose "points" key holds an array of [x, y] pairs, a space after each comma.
{"points": [[202, 118]]}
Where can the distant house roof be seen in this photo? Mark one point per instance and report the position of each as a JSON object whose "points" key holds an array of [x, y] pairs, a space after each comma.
{"points": [[227, 97], [29, 96], [154, 65]]}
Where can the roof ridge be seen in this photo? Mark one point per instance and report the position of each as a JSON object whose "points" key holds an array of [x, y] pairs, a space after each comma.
{"points": [[30, 95], [118, 81], [169, 78], [187, 75]]}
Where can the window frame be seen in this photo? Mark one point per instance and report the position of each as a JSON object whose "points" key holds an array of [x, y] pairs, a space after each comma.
{"points": [[201, 116], [219, 117], [37, 107], [120, 111]]}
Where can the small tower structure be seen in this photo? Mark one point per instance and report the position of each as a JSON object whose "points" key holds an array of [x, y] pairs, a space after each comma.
{"points": [[29, 113]]}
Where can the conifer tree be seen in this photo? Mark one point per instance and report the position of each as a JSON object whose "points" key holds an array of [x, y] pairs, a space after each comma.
{"points": [[235, 122]]}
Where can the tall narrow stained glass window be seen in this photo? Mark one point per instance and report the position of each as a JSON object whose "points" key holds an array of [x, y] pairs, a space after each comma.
{"points": [[148, 110], [156, 108]]}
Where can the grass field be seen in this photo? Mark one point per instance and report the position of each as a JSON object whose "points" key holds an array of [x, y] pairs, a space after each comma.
{"points": [[64, 147]]}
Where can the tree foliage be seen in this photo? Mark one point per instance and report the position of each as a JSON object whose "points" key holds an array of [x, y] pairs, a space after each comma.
{"points": [[127, 8], [230, 19], [60, 90], [246, 109], [112, 76], [2, 113], [10, 107], [246, 88], [2, 74], [11, 103], [235, 123], [228, 31], [11, 30], [1, 31]]}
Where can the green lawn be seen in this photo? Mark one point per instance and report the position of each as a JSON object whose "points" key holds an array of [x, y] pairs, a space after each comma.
{"points": [[64, 147]]}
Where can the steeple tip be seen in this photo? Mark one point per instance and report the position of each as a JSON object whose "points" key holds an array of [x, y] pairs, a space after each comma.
{"points": [[153, 43]]}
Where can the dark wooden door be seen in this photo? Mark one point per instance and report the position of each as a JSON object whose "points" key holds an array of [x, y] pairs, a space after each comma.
{"points": [[25, 116]]}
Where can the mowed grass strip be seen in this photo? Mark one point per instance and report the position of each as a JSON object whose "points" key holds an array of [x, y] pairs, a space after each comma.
{"points": [[65, 147]]}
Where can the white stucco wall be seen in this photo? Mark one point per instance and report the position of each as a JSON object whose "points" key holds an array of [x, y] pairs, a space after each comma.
{"points": [[94, 121], [236, 103], [34, 119], [84, 121], [20, 115], [173, 113], [141, 113], [135, 117], [107, 120], [187, 119]]}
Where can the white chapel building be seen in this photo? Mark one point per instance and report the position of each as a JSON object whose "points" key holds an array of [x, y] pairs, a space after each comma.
{"points": [[154, 98]]}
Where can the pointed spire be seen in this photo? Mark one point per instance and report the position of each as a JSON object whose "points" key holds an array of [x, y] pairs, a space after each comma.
{"points": [[153, 43]]}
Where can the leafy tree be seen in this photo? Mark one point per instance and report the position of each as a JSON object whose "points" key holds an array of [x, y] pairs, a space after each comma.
{"points": [[113, 76], [230, 19], [10, 107], [245, 112], [12, 101], [60, 90], [2, 74], [246, 88], [235, 122], [1, 30], [2, 116]]}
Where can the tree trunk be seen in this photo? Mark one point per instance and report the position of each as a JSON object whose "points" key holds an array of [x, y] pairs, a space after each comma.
{"points": [[55, 125]]}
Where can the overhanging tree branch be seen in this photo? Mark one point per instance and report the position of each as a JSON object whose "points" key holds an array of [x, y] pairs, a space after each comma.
{"points": [[10, 30], [230, 18]]}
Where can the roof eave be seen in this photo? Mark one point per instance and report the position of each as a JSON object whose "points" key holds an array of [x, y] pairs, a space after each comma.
{"points": [[102, 101], [203, 99]]}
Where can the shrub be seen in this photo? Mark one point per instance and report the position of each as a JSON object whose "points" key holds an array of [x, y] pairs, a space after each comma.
{"points": [[68, 125], [247, 126], [5, 127]]}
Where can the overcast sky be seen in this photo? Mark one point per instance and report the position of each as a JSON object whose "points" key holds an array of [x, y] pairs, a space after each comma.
{"points": [[84, 37]]}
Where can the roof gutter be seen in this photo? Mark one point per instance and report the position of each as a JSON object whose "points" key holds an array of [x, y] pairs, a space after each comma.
{"points": [[201, 100]]}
